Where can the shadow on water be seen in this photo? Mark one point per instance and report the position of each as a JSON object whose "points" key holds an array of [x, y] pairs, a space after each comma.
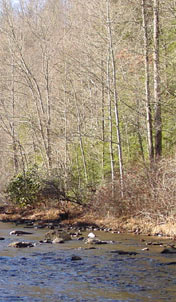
{"points": [[47, 273]]}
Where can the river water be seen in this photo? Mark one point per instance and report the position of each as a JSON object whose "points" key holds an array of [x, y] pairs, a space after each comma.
{"points": [[46, 272]]}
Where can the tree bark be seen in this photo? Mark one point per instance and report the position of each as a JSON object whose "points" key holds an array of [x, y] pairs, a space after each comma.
{"points": [[157, 97], [103, 118], [147, 81], [12, 125], [111, 152], [80, 138], [115, 96]]}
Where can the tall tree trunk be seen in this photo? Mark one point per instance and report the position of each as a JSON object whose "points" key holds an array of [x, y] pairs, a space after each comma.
{"points": [[111, 152], [147, 81], [80, 138], [157, 97], [115, 95], [66, 154], [103, 118], [138, 125], [48, 123], [12, 125]]}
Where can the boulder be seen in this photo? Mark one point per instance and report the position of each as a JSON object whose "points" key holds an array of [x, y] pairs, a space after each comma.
{"points": [[59, 234], [58, 240], [91, 235]]}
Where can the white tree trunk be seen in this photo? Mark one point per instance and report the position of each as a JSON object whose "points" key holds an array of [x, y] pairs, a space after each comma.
{"points": [[147, 81], [115, 95], [157, 97]]}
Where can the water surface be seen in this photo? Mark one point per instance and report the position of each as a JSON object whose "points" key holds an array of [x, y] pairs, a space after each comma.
{"points": [[47, 273]]}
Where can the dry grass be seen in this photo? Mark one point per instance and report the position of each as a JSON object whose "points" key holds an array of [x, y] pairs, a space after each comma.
{"points": [[123, 224], [45, 214], [167, 229], [12, 217]]}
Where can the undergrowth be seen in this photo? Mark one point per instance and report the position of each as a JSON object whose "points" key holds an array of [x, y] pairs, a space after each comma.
{"points": [[148, 193]]}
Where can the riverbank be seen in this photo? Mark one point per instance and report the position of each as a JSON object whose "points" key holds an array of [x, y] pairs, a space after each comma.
{"points": [[76, 215]]}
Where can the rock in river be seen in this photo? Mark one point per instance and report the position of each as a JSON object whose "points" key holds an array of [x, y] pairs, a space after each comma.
{"points": [[21, 244], [58, 240], [18, 233], [97, 241], [59, 234], [121, 252], [75, 258], [91, 235], [171, 250]]}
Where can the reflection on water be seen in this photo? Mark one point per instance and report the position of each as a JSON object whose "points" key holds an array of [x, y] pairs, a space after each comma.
{"points": [[47, 273]]}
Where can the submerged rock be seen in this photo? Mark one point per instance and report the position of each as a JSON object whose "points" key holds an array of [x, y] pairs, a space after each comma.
{"points": [[168, 263], [97, 241], [18, 233], [45, 241], [170, 250], [121, 252], [21, 244], [91, 241], [81, 238], [155, 243], [171, 263], [76, 234], [75, 258]]}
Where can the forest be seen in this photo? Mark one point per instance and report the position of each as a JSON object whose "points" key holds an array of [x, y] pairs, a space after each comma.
{"points": [[87, 104]]}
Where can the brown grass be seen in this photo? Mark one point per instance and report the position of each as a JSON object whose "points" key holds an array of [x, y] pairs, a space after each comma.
{"points": [[138, 225], [46, 214]]}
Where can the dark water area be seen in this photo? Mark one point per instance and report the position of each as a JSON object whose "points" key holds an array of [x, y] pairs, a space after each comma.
{"points": [[46, 272]]}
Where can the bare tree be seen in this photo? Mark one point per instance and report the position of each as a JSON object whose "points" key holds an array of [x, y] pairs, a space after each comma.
{"points": [[144, 4], [157, 95], [115, 94]]}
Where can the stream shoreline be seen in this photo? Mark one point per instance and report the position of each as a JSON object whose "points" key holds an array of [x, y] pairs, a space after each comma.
{"points": [[78, 217]]}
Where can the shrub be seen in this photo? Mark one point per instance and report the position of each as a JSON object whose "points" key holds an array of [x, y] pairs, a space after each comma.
{"points": [[148, 192], [32, 187], [23, 189]]}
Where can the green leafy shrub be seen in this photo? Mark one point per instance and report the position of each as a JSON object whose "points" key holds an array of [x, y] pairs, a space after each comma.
{"points": [[24, 188], [34, 187]]}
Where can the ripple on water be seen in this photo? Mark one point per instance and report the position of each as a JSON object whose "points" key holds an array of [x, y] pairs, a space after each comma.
{"points": [[47, 273]]}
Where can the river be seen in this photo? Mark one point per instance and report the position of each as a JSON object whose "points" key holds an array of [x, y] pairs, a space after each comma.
{"points": [[46, 272]]}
